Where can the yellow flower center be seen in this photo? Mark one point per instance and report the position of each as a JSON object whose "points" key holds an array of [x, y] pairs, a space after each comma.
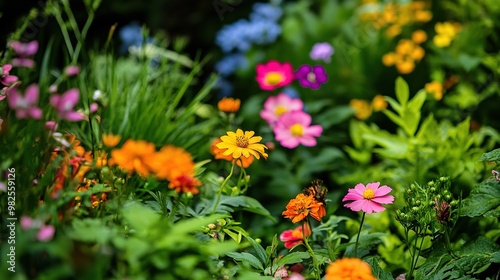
{"points": [[280, 110], [297, 130], [368, 194], [274, 78], [242, 141]]}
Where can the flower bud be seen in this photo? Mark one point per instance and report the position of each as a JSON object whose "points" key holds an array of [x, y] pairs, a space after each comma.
{"points": [[212, 226]]}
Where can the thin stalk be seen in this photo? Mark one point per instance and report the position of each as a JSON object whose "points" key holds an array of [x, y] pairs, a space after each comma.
{"points": [[359, 233], [310, 250], [222, 187]]}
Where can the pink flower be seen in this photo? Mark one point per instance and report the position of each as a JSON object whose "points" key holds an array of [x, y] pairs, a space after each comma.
{"points": [[274, 75], [93, 107], [295, 276], [293, 237], [294, 128], [322, 51], [46, 233], [24, 50], [25, 106], [369, 199], [3, 186], [64, 104], [275, 106], [51, 126], [26, 223], [71, 70], [5, 78]]}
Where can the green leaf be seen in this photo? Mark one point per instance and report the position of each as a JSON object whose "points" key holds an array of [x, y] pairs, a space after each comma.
{"points": [[295, 257], [90, 230], [493, 156], [468, 62], [247, 203], [246, 258], [377, 271], [261, 253], [484, 200], [402, 91], [333, 116], [139, 216], [495, 258], [417, 101]]}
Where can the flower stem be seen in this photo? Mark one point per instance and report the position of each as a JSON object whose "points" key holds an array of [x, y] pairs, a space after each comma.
{"points": [[222, 187], [310, 250], [359, 233]]}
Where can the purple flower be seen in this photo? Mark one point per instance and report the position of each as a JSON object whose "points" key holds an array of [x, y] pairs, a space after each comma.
{"points": [[64, 104], [5, 78], [25, 106], [322, 51], [311, 77]]}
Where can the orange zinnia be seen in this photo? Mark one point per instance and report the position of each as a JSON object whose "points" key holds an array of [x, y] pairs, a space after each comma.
{"points": [[219, 154], [111, 140], [349, 268], [302, 206], [229, 105], [134, 156]]}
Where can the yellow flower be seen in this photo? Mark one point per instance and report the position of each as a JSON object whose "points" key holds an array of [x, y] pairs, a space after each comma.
{"points": [[219, 154], [422, 16], [405, 47], [379, 103], [134, 156], [349, 268], [389, 59], [405, 66], [229, 105], [362, 109], [417, 53], [242, 144], [110, 140], [419, 36], [393, 31], [435, 88], [446, 32]]}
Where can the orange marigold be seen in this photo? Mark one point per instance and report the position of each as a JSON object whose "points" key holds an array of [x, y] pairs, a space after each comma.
{"points": [[134, 156], [302, 206], [219, 154], [229, 105], [185, 183], [349, 269]]}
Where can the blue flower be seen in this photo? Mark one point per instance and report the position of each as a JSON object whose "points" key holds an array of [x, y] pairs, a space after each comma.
{"points": [[230, 63], [232, 36], [131, 35], [262, 32], [266, 11]]}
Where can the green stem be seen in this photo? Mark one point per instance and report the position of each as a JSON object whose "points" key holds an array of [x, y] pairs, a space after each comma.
{"points": [[222, 187], [310, 250], [416, 254], [359, 233]]}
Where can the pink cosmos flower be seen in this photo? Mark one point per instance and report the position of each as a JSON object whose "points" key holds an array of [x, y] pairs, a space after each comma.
{"points": [[294, 128], [5, 78], [25, 106], [275, 106], [46, 233], [24, 50], [292, 237], [64, 104], [368, 199], [273, 75], [311, 77]]}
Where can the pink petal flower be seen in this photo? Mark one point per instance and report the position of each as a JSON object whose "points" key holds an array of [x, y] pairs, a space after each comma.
{"points": [[3, 186], [25, 106], [51, 125], [71, 70], [293, 128], [23, 62], [368, 199], [65, 103], [273, 75], [46, 233], [5, 77], [275, 106], [26, 222], [296, 276], [94, 107], [24, 49]]}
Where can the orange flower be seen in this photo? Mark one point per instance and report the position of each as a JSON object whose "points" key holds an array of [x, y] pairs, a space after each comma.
{"points": [[362, 108], [111, 140], [435, 88], [229, 105], [176, 165], [379, 103], [302, 206], [349, 268], [419, 36], [219, 154], [134, 156]]}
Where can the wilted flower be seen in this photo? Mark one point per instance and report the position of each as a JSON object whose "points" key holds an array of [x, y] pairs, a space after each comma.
{"points": [[368, 199], [275, 106], [294, 128], [273, 75]]}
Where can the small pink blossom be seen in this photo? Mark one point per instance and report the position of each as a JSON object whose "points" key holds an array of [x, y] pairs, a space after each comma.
{"points": [[3, 186], [295, 276], [93, 107], [275, 106], [65, 103], [368, 199], [294, 128], [26, 223], [71, 70], [23, 62], [46, 233], [273, 74], [295, 236], [53, 89], [5, 78], [24, 50], [25, 106], [51, 126]]}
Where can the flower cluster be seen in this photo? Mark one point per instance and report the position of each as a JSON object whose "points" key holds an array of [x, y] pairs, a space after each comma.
{"points": [[291, 125], [363, 109], [446, 32], [273, 75], [407, 53], [169, 163]]}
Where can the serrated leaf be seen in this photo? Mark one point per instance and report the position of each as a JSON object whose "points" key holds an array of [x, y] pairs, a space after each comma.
{"points": [[246, 258], [295, 257], [484, 200], [493, 156]]}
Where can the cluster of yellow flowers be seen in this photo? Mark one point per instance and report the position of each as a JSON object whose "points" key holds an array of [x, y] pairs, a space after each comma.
{"points": [[407, 53], [169, 163], [363, 109], [394, 16], [445, 33]]}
